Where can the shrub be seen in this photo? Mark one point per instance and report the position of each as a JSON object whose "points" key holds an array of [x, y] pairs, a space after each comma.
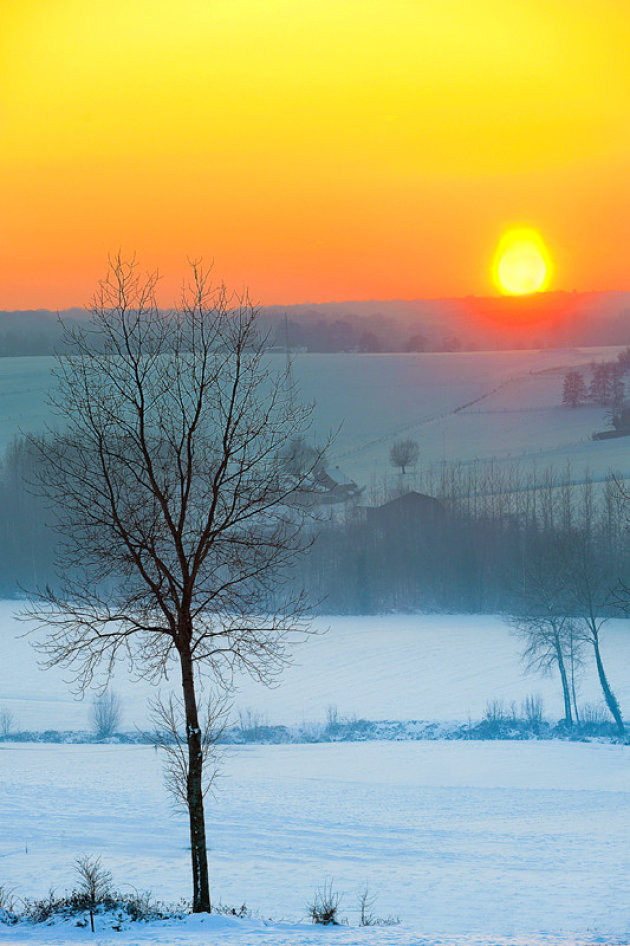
{"points": [[223, 909], [366, 903], [136, 907], [366, 915], [324, 908], [7, 906]]}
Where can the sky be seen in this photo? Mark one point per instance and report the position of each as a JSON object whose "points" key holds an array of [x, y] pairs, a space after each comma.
{"points": [[315, 150]]}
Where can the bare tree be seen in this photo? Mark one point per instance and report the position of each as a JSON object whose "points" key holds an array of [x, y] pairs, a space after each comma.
{"points": [[573, 389], [180, 530], [546, 637], [6, 722], [543, 621], [106, 714], [404, 453], [592, 582]]}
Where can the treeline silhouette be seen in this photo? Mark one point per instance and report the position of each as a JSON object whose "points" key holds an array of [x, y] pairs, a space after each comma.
{"points": [[542, 320]]}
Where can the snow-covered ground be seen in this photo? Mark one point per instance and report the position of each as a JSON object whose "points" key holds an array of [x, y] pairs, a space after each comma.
{"points": [[465, 842], [397, 667], [459, 406]]}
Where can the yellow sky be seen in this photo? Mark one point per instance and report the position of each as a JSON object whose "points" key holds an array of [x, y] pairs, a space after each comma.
{"points": [[315, 150]]}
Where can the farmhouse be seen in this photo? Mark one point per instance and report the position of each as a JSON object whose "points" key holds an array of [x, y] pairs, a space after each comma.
{"points": [[411, 512]]}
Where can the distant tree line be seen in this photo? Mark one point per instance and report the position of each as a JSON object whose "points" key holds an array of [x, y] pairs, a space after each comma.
{"points": [[498, 520], [606, 387], [497, 523]]}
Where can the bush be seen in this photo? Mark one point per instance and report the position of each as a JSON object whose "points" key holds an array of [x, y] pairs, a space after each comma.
{"points": [[106, 714], [324, 907], [135, 907], [7, 906], [223, 910]]}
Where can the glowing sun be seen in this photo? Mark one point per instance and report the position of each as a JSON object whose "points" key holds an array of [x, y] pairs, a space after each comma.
{"points": [[521, 263]]}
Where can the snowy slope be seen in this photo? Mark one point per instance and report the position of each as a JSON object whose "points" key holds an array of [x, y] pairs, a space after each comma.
{"points": [[459, 406]]}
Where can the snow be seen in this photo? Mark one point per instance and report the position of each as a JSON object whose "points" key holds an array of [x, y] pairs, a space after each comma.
{"points": [[398, 667], [460, 406], [470, 842]]}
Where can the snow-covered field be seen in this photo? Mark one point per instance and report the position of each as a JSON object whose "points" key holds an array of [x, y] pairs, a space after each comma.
{"points": [[397, 667], [459, 406], [467, 842], [492, 842]]}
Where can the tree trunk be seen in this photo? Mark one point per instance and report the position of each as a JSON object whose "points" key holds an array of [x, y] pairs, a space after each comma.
{"points": [[565, 689], [609, 696], [573, 692], [194, 787], [574, 695]]}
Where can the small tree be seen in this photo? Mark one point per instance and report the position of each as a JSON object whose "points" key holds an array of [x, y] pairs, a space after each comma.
{"points": [[404, 453], [299, 457], [95, 883], [573, 389], [106, 714]]}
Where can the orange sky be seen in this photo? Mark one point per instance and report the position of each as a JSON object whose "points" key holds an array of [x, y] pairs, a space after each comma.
{"points": [[316, 149]]}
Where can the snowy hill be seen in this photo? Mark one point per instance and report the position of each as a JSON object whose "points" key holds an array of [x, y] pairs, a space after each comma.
{"points": [[462, 406]]}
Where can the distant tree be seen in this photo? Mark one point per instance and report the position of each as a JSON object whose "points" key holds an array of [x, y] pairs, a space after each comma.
{"points": [[6, 722], [607, 387], [369, 342], [546, 649], [599, 388], [106, 714], [591, 581], [416, 342], [299, 457], [543, 622], [573, 389], [404, 453], [623, 359], [169, 735]]}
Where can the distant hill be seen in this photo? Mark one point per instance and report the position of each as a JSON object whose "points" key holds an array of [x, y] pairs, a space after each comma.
{"points": [[544, 320]]}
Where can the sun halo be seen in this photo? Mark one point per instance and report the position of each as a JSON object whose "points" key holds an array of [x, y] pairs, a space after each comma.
{"points": [[522, 264]]}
